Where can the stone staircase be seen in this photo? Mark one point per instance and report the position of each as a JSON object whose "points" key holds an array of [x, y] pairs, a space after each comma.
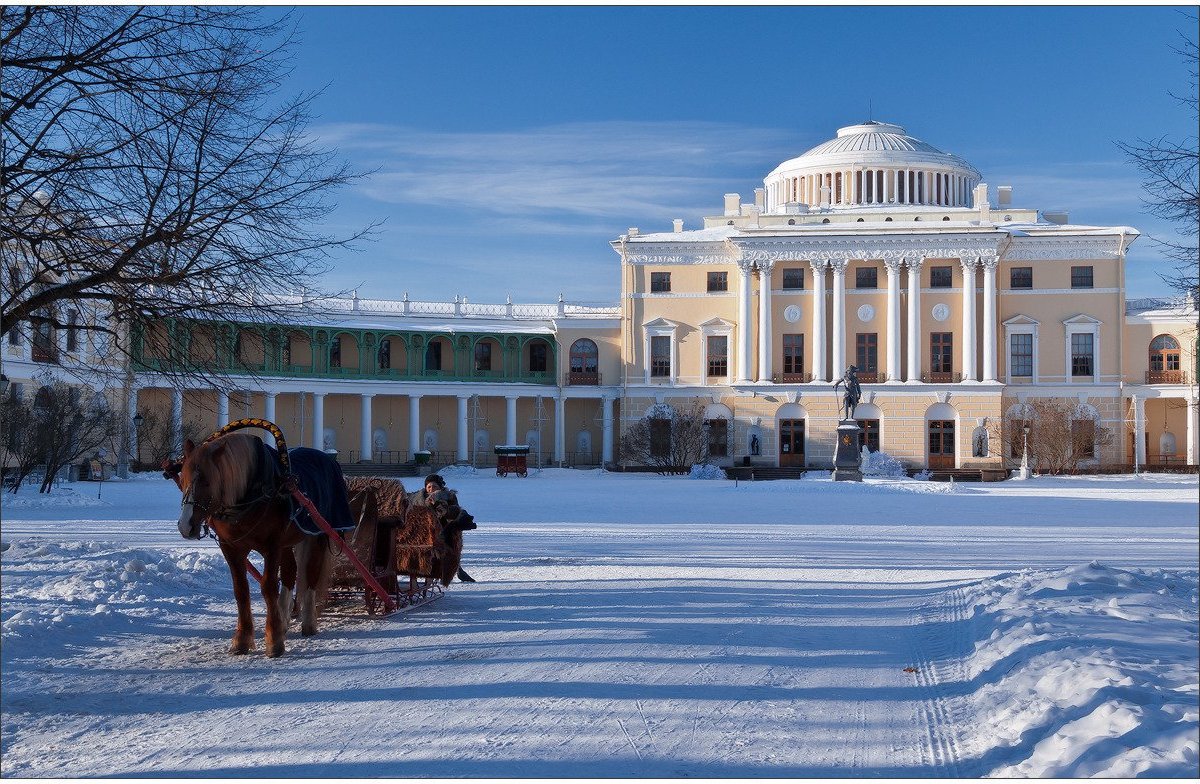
{"points": [[379, 469]]}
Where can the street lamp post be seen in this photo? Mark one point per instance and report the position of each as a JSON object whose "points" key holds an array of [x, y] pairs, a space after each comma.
{"points": [[1023, 472]]}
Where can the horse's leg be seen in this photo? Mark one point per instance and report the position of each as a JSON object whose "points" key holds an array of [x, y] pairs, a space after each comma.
{"points": [[276, 627], [243, 635], [311, 568], [287, 576]]}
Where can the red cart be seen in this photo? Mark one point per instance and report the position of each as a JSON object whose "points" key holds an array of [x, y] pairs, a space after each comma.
{"points": [[512, 459]]}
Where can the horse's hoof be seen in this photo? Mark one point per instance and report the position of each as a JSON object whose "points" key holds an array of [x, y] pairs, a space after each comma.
{"points": [[308, 631], [238, 649], [275, 651]]}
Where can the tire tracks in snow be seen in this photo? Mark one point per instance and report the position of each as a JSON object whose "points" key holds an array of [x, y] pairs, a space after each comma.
{"points": [[940, 641]]}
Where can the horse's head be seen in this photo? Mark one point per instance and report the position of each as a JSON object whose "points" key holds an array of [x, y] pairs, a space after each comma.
{"points": [[213, 477]]}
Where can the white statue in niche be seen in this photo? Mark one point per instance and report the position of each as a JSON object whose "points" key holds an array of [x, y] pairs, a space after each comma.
{"points": [[379, 440], [429, 441], [329, 439], [979, 440], [482, 440], [583, 443]]}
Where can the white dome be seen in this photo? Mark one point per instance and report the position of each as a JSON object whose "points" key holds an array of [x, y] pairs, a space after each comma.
{"points": [[871, 164]]}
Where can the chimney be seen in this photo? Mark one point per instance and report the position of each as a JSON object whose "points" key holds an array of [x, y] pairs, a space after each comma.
{"points": [[677, 224], [1004, 196], [981, 203], [733, 204], [1056, 216], [760, 198], [633, 231]]}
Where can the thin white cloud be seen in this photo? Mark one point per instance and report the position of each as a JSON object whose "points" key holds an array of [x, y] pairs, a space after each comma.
{"points": [[602, 169]]}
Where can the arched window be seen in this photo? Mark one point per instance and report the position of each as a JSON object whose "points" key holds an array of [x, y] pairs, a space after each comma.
{"points": [[433, 355], [385, 354], [585, 362], [825, 221], [1165, 365]]}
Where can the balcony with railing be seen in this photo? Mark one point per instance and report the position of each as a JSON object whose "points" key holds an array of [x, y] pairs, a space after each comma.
{"points": [[932, 377], [869, 377], [579, 378], [791, 378], [1166, 377]]}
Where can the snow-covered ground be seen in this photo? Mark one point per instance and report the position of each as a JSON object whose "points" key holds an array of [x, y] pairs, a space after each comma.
{"points": [[632, 625]]}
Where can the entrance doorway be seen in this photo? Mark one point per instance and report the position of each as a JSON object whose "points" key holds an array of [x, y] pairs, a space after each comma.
{"points": [[791, 442], [941, 444]]}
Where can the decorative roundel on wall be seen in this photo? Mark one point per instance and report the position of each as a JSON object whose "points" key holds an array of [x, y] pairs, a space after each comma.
{"points": [[866, 313], [941, 311], [791, 314]]}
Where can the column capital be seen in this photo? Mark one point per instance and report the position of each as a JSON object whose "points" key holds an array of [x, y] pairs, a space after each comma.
{"points": [[818, 265], [512, 397], [839, 266], [989, 263], [893, 265], [367, 394], [968, 262], [914, 262], [764, 266], [745, 266]]}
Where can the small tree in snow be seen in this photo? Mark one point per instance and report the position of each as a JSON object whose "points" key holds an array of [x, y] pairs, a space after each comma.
{"points": [[1061, 437], [669, 439]]}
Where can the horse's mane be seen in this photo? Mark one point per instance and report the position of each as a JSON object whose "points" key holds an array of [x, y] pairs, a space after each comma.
{"points": [[389, 494], [230, 462]]}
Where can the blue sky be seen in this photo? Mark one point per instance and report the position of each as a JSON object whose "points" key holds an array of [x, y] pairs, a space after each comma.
{"points": [[510, 145]]}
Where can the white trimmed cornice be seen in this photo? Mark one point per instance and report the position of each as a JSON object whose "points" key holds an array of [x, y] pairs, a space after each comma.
{"points": [[813, 249], [1062, 248]]}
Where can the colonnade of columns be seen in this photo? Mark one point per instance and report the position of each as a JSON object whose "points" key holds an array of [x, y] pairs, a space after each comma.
{"points": [[870, 186], [837, 341], [366, 425]]}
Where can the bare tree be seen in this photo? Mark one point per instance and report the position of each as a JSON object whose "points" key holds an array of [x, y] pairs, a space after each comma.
{"points": [[60, 426], [1060, 436], [147, 172], [21, 453], [156, 437], [667, 438], [1169, 169]]}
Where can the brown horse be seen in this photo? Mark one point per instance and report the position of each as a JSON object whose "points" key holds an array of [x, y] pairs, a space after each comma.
{"points": [[228, 483]]}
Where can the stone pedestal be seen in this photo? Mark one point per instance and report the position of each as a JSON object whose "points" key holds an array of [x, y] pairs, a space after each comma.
{"points": [[847, 459]]}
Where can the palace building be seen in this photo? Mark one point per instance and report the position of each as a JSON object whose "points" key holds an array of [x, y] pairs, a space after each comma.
{"points": [[873, 249]]}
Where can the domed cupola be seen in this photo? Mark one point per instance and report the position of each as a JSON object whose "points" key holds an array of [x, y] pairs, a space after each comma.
{"points": [[870, 165]]}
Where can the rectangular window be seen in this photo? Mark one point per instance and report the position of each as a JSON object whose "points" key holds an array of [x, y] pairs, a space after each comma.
{"points": [[718, 355], [793, 354], [867, 352], [1020, 278], [1083, 438], [1081, 355], [869, 437], [660, 437], [866, 278], [718, 281], [941, 277], [537, 357], [718, 437], [793, 278], [660, 281], [941, 352], [660, 356], [14, 336], [1020, 357], [1081, 277], [483, 356]]}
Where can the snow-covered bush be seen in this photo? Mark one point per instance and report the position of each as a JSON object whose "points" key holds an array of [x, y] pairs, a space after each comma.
{"points": [[923, 475], [881, 464], [706, 471]]}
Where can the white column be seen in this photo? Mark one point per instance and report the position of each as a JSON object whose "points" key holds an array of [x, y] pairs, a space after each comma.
{"points": [[177, 422], [914, 320], [838, 360], [364, 435], [818, 310], [269, 413], [745, 333], [968, 319], [893, 319], [1139, 430], [606, 439], [130, 412], [989, 317], [318, 437], [560, 429], [222, 409], [764, 321], [510, 419], [1193, 432], [414, 425], [464, 435]]}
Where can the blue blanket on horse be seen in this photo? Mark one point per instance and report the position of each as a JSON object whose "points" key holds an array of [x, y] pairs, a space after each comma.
{"points": [[320, 478]]}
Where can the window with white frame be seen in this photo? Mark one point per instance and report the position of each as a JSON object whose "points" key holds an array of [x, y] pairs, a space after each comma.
{"points": [[1082, 349], [717, 360], [1020, 354], [1082, 355], [660, 356]]}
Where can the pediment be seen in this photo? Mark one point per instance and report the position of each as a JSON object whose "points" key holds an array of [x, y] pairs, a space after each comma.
{"points": [[717, 323], [1082, 318], [1021, 320], [661, 323]]}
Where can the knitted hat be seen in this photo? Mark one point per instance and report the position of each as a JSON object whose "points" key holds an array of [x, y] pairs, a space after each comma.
{"points": [[437, 480]]}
